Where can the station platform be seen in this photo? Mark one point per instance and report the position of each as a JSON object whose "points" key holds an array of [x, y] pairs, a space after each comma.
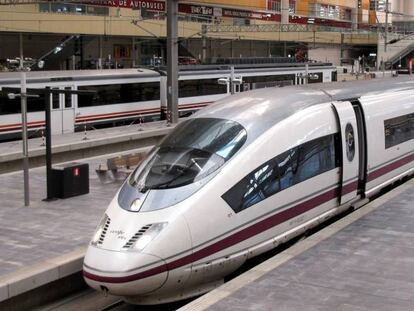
{"points": [[46, 242], [365, 261], [67, 147]]}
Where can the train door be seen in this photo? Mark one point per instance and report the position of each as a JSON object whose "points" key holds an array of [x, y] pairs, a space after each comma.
{"points": [[68, 112], [350, 151], [62, 112], [56, 113], [362, 176]]}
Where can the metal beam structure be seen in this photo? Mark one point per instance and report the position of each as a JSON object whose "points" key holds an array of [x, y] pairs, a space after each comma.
{"points": [[279, 28], [172, 61]]}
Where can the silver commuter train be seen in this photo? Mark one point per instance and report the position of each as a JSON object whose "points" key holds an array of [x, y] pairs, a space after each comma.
{"points": [[127, 95], [244, 175]]}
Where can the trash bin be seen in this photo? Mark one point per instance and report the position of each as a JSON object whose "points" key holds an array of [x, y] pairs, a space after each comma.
{"points": [[70, 180]]}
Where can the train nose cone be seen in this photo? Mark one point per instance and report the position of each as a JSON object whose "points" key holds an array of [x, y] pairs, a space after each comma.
{"points": [[123, 273]]}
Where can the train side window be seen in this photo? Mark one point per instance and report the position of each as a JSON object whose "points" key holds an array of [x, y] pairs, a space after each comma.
{"points": [[258, 82], [255, 187], [68, 98], [132, 92], [317, 77], [191, 88], [285, 170], [55, 101], [11, 106], [287, 162], [398, 130], [118, 94], [315, 157]]}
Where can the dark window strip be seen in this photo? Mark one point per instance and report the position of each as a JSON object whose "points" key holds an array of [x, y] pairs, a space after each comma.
{"points": [[119, 93], [398, 130], [284, 171]]}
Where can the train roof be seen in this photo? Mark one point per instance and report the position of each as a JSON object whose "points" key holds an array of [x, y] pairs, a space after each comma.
{"points": [[260, 109], [12, 78], [219, 66], [75, 75], [187, 70]]}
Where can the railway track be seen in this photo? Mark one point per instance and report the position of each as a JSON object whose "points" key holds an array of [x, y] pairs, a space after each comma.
{"points": [[90, 300]]}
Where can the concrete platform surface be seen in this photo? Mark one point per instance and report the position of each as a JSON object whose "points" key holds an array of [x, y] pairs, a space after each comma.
{"points": [[363, 262], [46, 241]]}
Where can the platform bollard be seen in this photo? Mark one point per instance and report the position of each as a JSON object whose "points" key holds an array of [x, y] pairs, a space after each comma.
{"points": [[43, 139], [85, 135], [168, 118], [141, 120]]}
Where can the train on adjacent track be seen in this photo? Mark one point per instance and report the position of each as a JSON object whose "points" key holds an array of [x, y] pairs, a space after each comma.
{"points": [[244, 175], [124, 96]]}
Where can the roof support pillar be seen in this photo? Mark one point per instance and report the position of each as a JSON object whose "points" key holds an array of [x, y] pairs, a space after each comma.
{"points": [[285, 11], [172, 61]]}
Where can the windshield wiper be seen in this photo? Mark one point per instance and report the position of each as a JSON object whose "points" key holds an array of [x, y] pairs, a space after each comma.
{"points": [[182, 171], [167, 183], [196, 164]]}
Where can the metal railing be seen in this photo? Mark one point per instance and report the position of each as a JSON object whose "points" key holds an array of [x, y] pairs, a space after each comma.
{"points": [[402, 53], [282, 28]]}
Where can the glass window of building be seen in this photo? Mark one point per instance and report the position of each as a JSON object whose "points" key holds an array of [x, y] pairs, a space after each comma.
{"points": [[275, 5], [330, 11], [72, 8], [377, 5]]}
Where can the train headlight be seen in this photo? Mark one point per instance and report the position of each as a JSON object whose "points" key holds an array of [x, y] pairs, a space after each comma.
{"points": [[148, 236], [136, 205], [100, 230]]}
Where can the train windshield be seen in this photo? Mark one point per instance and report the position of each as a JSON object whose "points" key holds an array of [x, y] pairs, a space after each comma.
{"points": [[193, 150]]}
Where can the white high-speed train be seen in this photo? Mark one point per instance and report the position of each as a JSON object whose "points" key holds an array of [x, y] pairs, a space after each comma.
{"points": [[123, 96], [244, 175]]}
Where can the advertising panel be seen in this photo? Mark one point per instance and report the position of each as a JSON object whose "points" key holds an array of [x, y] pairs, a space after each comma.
{"points": [[193, 9]]}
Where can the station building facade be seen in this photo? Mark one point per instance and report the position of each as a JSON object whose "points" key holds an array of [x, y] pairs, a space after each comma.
{"points": [[90, 34]]}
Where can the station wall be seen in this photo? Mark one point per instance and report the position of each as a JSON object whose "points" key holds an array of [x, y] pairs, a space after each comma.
{"points": [[328, 53]]}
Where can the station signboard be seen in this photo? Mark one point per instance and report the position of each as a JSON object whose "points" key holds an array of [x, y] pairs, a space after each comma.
{"points": [[194, 9], [150, 5]]}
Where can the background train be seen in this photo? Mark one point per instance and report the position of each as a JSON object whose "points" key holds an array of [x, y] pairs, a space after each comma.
{"points": [[244, 175], [126, 95]]}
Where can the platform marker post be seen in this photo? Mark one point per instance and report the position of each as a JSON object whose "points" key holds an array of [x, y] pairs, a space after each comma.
{"points": [[140, 123], [23, 101], [85, 134], [232, 85], [49, 184], [43, 139]]}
